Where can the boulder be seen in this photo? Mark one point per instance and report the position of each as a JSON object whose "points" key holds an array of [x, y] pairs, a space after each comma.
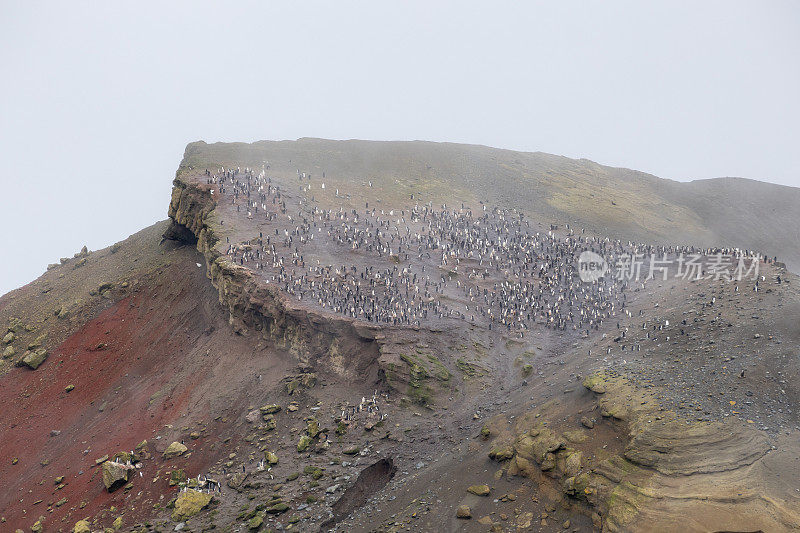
{"points": [[314, 471], [269, 423], [9, 352], [142, 451], [501, 453], [255, 522], [236, 481], [479, 490], [123, 457], [174, 450], [32, 359], [271, 458], [190, 503], [114, 475], [464, 512], [270, 409], [304, 443], [82, 526], [313, 427], [9, 338], [278, 508]]}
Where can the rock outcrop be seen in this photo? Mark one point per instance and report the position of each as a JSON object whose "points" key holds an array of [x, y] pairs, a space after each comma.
{"points": [[254, 306], [349, 347], [671, 473]]}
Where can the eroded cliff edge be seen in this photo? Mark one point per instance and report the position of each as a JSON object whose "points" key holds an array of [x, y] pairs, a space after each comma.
{"points": [[350, 347]]}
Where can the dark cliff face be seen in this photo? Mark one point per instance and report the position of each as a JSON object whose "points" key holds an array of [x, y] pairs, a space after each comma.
{"points": [[255, 307]]}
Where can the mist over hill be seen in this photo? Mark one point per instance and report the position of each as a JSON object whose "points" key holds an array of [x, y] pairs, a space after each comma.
{"points": [[615, 202]]}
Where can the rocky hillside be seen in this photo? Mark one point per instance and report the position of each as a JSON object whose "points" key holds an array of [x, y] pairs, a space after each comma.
{"points": [[177, 381]]}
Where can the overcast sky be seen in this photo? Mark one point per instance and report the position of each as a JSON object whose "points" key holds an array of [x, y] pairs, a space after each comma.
{"points": [[98, 99]]}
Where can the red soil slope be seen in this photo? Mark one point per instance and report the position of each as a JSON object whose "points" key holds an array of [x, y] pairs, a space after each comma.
{"points": [[136, 368]]}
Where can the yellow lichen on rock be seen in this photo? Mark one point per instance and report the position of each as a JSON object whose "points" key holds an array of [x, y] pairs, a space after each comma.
{"points": [[189, 503]]}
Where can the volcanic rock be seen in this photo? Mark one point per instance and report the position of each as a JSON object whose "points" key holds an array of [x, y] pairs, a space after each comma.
{"points": [[82, 526], [270, 409], [189, 503], [479, 490], [114, 475], [278, 508], [304, 442], [236, 481], [33, 359], [174, 450]]}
